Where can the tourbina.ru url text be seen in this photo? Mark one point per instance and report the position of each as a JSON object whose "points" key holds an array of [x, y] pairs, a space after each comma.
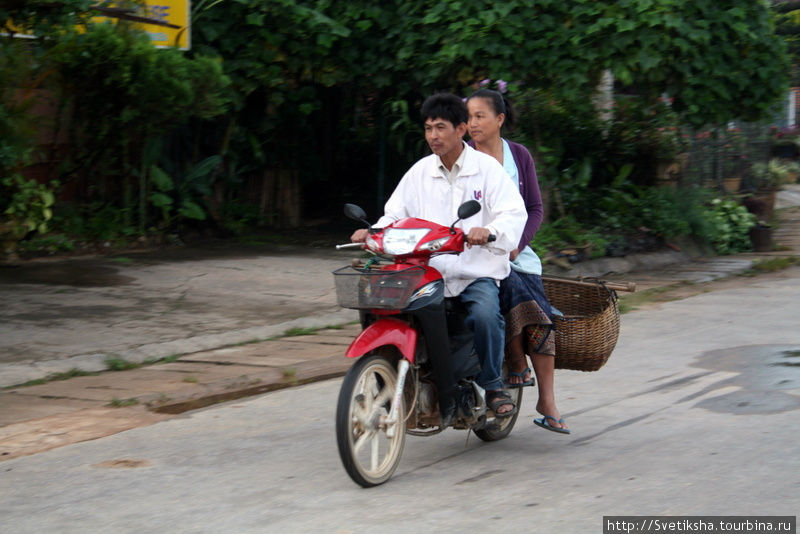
{"points": [[632, 524]]}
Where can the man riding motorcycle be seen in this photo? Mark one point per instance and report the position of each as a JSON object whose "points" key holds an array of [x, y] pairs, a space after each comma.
{"points": [[432, 189]]}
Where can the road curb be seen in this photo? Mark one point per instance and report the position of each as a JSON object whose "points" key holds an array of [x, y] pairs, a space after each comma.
{"points": [[178, 406], [15, 374]]}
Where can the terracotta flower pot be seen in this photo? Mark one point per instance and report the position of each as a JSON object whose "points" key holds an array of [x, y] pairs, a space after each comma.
{"points": [[731, 185]]}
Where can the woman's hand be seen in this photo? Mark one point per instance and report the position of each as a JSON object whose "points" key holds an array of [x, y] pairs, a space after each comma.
{"points": [[513, 254]]}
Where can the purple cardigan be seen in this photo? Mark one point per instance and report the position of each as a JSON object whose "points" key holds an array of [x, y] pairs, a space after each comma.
{"points": [[528, 188]]}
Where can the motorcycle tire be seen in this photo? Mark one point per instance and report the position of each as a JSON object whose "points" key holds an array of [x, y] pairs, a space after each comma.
{"points": [[498, 428], [369, 453]]}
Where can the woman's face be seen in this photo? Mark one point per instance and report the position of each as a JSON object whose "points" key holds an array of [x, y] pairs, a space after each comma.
{"points": [[484, 124]]}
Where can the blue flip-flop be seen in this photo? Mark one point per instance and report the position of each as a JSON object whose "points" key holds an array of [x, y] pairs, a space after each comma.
{"points": [[522, 376], [542, 422]]}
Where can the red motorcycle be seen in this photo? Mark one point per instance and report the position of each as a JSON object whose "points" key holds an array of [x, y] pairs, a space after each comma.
{"points": [[412, 337]]}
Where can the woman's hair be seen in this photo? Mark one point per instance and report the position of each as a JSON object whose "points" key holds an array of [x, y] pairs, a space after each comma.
{"points": [[444, 106], [499, 104]]}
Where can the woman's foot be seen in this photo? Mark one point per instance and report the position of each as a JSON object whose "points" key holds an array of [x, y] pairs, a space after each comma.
{"points": [[552, 417], [520, 378], [519, 374], [548, 422]]}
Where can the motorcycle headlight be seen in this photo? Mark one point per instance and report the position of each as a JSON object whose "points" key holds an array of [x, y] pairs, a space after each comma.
{"points": [[397, 241]]}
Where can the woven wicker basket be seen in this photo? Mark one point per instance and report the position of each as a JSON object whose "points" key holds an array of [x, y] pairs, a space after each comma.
{"points": [[587, 332]]}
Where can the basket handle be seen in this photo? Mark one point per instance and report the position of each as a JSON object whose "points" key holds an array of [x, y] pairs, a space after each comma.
{"points": [[614, 286], [621, 286]]}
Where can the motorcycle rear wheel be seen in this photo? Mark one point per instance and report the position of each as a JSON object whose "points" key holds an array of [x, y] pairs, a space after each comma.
{"points": [[499, 428], [370, 451]]}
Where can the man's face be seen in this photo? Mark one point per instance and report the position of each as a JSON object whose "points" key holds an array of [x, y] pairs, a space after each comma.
{"points": [[443, 137]]}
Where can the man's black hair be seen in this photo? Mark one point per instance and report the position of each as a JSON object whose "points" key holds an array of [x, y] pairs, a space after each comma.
{"points": [[445, 106]]}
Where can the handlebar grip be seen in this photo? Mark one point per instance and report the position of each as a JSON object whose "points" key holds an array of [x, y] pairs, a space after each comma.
{"points": [[350, 245], [491, 238]]}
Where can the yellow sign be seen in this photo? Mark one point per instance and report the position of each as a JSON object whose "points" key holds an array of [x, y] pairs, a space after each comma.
{"points": [[166, 22]]}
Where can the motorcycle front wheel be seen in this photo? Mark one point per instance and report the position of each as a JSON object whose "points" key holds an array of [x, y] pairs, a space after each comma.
{"points": [[369, 446]]}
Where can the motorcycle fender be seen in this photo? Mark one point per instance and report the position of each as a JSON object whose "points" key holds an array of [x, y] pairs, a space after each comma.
{"points": [[386, 331]]}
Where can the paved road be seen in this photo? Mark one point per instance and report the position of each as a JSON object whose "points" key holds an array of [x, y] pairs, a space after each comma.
{"points": [[696, 413]]}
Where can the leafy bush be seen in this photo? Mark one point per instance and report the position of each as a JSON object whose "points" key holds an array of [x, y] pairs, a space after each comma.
{"points": [[664, 213], [51, 243], [568, 233], [93, 222], [729, 226], [126, 96], [28, 210], [239, 218]]}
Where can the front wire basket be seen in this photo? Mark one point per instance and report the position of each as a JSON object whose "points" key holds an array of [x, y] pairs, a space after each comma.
{"points": [[362, 289], [587, 332]]}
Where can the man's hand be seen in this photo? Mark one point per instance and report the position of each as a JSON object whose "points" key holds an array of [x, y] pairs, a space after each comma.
{"points": [[478, 236], [513, 254], [359, 236]]}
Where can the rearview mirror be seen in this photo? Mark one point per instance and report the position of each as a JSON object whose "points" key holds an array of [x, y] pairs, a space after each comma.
{"points": [[468, 209], [355, 212], [465, 211]]}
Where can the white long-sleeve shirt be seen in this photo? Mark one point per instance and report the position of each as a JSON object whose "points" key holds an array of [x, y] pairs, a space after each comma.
{"points": [[426, 193]]}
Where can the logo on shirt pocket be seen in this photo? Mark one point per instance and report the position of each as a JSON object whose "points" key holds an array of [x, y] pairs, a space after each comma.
{"points": [[477, 194]]}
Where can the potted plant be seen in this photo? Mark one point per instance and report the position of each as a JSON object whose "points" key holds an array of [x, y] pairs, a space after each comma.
{"points": [[734, 158], [767, 178], [730, 225], [792, 172]]}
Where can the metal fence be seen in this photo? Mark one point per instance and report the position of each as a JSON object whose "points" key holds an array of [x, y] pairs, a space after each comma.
{"points": [[719, 156]]}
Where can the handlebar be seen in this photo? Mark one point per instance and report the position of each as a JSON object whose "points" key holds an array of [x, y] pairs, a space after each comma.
{"points": [[491, 238], [350, 245]]}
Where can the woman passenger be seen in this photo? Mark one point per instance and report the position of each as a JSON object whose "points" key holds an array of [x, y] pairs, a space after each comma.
{"points": [[529, 328]]}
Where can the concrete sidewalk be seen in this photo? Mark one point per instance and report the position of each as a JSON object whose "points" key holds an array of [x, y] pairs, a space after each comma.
{"points": [[219, 318]]}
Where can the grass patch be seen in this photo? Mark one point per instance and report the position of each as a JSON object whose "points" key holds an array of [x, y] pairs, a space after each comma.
{"points": [[122, 403], [116, 363], [631, 301], [292, 332], [250, 342], [119, 364], [289, 373], [297, 331], [773, 264], [122, 259], [66, 375], [190, 379]]}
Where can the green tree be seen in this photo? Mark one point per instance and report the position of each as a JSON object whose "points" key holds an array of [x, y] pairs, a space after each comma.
{"points": [[43, 18], [125, 96], [787, 17]]}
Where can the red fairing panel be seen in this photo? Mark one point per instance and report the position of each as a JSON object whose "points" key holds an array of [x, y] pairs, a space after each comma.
{"points": [[386, 331]]}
